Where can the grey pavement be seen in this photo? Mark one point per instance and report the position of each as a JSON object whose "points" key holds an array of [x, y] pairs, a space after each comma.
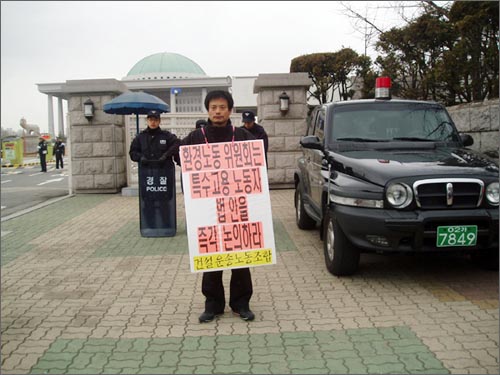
{"points": [[83, 292]]}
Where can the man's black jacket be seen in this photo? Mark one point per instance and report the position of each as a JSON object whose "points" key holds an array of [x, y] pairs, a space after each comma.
{"points": [[259, 133], [217, 134], [59, 148], [153, 145]]}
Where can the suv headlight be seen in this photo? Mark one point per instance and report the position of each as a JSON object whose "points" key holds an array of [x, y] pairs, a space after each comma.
{"points": [[492, 193], [399, 195]]}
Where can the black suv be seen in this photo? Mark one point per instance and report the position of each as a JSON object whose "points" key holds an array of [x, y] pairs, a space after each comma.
{"points": [[394, 176]]}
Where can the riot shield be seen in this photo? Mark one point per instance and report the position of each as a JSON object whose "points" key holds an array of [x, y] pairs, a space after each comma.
{"points": [[157, 204]]}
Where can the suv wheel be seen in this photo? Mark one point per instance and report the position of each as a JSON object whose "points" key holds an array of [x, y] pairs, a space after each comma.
{"points": [[304, 221], [341, 257]]}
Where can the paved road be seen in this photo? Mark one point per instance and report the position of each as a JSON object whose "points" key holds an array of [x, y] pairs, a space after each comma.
{"points": [[82, 292], [25, 186]]}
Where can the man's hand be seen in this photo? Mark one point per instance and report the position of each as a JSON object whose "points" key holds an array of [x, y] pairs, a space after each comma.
{"points": [[163, 158], [144, 160]]}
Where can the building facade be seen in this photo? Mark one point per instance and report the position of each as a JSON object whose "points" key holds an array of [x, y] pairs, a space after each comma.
{"points": [[177, 80]]}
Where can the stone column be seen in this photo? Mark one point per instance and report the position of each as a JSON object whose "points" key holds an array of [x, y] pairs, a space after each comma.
{"points": [[173, 108], [51, 115], [60, 117], [284, 130], [203, 96], [98, 152]]}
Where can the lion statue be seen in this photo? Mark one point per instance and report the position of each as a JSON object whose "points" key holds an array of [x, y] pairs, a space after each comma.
{"points": [[29, 128]]}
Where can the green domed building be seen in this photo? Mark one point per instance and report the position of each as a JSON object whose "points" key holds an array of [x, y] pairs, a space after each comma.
{"points": [[178, 81], [165, 65]]}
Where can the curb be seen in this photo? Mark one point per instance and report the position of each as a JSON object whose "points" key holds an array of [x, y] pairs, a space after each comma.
{"points": [[24, 164], [40, 205]]}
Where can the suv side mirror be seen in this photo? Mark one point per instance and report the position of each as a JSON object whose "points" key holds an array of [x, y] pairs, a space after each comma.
{"points": [[467, 140], [312, 142]]}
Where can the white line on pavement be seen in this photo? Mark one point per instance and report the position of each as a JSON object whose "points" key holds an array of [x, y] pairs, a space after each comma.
{"points": [[3, 182], [5, 232], [49, 181]]}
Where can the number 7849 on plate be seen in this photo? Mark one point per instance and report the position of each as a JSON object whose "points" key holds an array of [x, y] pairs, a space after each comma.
{"points": [[456, 235]]}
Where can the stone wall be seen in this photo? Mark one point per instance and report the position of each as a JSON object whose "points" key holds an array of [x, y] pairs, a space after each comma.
{"points": [[481, 121], [98, 154], [284, 130]]}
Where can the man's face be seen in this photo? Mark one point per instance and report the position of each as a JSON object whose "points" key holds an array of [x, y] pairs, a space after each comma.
{"points": [[153, 122], [248, 124], [218, 112]]}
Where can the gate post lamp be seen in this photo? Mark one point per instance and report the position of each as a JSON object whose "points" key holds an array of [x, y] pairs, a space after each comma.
{"points": [[284, 103], [88, 109]]}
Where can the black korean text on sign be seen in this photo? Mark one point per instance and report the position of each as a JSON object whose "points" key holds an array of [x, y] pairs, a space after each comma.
{"points": [[222, 156], [232, 209], [225, 183]]}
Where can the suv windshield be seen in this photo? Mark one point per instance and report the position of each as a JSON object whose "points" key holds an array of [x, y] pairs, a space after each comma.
{"points": [[391, 121]]}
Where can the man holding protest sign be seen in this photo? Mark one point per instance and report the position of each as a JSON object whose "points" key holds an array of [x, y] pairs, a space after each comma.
{"points": [[219, 105]]}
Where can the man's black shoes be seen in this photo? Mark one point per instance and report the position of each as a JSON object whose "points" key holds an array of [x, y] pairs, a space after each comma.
{"points": [[245, 314], [208, 316]]}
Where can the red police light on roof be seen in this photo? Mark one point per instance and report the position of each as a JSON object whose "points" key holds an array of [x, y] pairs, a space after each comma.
{"points": [[383, 88]]}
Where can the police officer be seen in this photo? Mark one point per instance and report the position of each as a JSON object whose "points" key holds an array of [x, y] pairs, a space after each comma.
{"points": [[154, 144], [59, 149], [248, 118], [219, 105], [200, 124], [42, 152]]}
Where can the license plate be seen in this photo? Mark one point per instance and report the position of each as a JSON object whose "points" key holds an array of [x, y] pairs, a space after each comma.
{"points": [[456, 235]]}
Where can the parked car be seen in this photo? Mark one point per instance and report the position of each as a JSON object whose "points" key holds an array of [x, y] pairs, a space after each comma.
{"points": [[385, 175]]}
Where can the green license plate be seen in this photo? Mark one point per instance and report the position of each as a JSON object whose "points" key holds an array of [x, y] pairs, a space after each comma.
{"points": [[456, 235]]}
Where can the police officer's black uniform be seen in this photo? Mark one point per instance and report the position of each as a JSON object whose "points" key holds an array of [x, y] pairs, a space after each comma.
{"points": [[42, 152], [241, 282], [59, 150], [257, 130], [155, 145]]}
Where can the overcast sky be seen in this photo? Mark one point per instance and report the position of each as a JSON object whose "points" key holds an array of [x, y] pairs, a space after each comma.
{"points": [[54, 41]]}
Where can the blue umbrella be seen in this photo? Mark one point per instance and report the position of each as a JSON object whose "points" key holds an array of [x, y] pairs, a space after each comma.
{"points": [[132, 102]]}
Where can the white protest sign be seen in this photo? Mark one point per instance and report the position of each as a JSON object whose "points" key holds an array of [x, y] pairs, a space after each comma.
{"points": [[228, 207]]}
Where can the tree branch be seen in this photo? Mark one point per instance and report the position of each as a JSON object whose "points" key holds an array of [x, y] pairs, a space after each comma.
{"points": [[355, 14]]}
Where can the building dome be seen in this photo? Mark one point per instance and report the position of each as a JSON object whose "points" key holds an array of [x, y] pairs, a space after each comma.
{"points": [[165, 65]]}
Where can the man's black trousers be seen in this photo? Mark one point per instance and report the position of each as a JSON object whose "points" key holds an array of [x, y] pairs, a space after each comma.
{"points": [[59, 159], [43, 162], [240, 290]]}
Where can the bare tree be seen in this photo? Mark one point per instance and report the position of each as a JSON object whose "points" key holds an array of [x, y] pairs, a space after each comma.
{"points": [[369, 28], [369, 25]]}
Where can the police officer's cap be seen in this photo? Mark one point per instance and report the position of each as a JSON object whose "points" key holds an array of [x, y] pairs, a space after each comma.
{"points": [[153, 113], [248, 116]]}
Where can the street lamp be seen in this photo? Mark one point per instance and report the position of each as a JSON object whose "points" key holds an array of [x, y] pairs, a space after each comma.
{"points": [[284, 103], [88, 109]]}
